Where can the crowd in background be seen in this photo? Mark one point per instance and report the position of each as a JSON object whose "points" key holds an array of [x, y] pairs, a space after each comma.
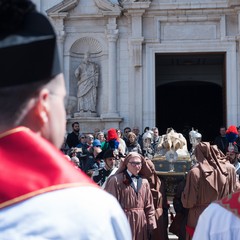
{"points": [[101, 155], [90, 147]]}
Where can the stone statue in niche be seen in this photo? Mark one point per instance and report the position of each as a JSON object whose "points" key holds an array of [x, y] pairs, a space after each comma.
{"points": [[87, 75]]}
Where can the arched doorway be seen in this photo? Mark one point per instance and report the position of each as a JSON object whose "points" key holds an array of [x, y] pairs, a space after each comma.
{"points": [[198, 102]]}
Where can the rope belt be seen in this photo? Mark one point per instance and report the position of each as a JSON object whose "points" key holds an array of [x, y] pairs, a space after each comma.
{"points": [[132, 209]]}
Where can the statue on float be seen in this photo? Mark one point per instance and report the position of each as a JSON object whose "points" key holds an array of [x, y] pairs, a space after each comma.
{"points": [[173, 141], [195, 137], [173, 146]]}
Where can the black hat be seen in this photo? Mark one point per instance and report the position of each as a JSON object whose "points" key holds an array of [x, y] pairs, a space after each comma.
{"points": [[109, 154], [28, 48]]}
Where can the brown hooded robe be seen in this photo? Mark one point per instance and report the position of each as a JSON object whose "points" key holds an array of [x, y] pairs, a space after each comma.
{"points": [[211, 179], [137, 203]]}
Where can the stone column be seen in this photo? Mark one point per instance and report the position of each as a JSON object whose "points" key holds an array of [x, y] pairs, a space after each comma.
{"points": [[112, 36], [238, 21], [58, 22], [60, 40], [238, 62], [135, 11], [61, 36]]}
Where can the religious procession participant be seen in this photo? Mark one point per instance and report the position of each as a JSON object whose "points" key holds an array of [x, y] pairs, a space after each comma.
{"points": [[159, 200], [100, 176], [220, 220], [47, 198], [212, 178], [134, 195], [232, 157]]}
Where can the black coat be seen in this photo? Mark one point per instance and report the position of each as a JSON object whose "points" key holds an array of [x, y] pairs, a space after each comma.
{"points": [[72, 140]]}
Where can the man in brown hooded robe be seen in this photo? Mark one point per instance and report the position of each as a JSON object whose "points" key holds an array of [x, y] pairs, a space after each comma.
{"points": [[134, 195], [159, 199], [212, 178]]}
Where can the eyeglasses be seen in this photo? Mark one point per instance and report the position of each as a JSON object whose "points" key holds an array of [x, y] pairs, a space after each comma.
{"points": [[127, 131], [135, 163]]}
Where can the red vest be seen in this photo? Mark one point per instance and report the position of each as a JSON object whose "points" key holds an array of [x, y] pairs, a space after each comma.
{"points": [[232, 203], [30, 165]]}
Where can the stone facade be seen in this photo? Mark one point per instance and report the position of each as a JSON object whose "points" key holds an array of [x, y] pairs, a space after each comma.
{"points": [[123, 39]]}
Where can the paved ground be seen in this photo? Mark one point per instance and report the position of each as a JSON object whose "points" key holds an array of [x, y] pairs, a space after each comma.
{"points": [[170, 235]]}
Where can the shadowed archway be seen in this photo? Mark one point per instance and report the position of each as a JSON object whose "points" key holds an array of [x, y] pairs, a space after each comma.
{"points": [[190, 92], [190, 104]]}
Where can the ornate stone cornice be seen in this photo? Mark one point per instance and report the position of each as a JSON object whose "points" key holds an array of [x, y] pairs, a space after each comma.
{"points": [[136, 5], [233, 3], [105, 5], [62, 8]]}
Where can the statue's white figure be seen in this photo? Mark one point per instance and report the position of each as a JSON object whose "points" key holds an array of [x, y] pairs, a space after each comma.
{"points": [[195, 137], [148, 150], [88, 75], [173, 141]]}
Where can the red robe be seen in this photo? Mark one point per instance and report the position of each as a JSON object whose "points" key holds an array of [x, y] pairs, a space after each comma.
{"points": [[30, 165], [232, 203]]}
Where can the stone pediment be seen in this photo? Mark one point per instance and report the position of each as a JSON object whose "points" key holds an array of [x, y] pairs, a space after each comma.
{"points": [[106, 5], [62, 7], [83, 7]]}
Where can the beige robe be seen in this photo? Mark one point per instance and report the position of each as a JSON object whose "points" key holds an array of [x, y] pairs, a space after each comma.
{"points": [[137, 204]]}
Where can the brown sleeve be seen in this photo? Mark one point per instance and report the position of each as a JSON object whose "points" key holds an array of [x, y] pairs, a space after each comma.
{"points": [[149, 208], [111, 186], [190, 192]]}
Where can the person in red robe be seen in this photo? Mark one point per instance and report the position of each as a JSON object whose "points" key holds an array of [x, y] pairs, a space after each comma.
{"points": [[220, 220], [42, 194]]}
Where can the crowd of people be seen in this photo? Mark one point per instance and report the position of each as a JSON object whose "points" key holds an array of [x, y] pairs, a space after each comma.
{"points": [[52, 198], [117, 162], [113, 157]]}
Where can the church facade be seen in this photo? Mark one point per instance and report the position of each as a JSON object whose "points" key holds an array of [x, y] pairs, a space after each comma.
{"points": [[164, 63]]}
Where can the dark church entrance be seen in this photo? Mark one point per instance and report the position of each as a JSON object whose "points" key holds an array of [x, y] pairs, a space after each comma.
{"points": [[190, 92]]}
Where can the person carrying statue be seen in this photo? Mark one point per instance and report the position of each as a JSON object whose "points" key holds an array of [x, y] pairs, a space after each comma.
{"points": [[212, 178]]}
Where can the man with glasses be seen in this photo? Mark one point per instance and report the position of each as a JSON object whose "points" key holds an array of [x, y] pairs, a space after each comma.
{"points": [[126, 130], [87, 147], [134, 195]]}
